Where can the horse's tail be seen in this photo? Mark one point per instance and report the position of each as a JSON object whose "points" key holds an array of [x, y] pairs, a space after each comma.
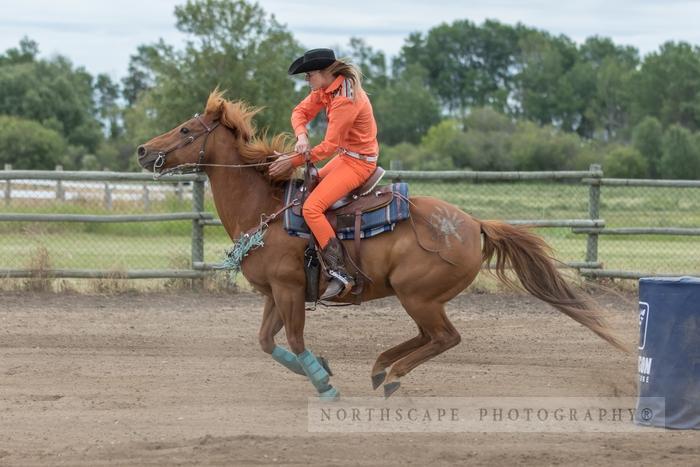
{"points": [[531, 259]]}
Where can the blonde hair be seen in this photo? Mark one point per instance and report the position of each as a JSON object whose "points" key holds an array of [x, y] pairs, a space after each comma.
{"points": [[349, 70]]}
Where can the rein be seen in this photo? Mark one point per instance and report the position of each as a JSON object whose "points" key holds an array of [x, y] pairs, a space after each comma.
{"points": [[194, 167], [184, 168]]}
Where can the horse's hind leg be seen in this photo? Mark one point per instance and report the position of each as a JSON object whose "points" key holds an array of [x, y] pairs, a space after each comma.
{"points": [[388, 357], [442, 335]]}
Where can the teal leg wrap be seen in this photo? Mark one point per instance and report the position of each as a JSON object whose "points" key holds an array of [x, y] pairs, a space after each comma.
{"points": [[317, 374], [331, 394], [288, 359]]}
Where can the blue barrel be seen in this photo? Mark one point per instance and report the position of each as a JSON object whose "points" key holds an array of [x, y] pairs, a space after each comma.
{"points": [[669, 352]]}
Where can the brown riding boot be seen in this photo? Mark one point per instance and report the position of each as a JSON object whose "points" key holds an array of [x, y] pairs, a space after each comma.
{"points": [[341, 281]]}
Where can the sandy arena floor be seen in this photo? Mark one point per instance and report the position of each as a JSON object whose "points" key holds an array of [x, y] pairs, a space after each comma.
{"points": [[180, 379]]}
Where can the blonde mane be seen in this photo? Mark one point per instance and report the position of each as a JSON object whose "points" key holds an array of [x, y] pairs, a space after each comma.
{"points": [[238, 116]]}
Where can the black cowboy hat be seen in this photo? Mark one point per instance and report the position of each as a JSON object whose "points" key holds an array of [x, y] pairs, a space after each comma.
{"points": [[315, 59]]}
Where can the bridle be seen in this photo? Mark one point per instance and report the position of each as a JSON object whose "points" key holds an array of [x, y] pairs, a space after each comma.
{"points": [[162, 155], [190, 167]]}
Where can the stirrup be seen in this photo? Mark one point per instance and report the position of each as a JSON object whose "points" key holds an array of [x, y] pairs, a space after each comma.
{"points": [[338, 286]]}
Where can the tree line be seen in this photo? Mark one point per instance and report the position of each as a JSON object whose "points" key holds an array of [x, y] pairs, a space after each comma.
{"points": [[487, 96]]}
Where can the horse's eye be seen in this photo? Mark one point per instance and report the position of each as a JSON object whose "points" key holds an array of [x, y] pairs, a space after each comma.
{"points": [[184, 130]]}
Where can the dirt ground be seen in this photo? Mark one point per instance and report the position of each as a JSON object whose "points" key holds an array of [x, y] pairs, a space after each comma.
{"points": [[156, 379]]}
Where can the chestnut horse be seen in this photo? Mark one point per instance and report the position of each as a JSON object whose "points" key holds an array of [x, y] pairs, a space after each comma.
{"points": [[425, 261]]}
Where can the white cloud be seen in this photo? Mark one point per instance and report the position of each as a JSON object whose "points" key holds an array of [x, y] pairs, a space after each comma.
{"points": [[101, 34]]}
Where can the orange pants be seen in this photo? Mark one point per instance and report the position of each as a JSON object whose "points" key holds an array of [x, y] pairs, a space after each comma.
{"points": [[338, 178]]}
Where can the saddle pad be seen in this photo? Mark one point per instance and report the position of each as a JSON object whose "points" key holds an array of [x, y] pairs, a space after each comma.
{"points": [[373, 223]]}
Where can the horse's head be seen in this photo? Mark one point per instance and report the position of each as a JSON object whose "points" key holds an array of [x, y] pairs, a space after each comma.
{"points": [[188, 146], [184, 144]]}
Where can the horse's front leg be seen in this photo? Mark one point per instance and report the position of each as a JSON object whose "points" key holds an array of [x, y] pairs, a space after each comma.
{"points": [[270, 326], [290, 305]]}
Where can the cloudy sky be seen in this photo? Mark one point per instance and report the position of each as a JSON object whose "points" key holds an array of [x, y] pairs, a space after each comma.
{"points": [[101, 34]]}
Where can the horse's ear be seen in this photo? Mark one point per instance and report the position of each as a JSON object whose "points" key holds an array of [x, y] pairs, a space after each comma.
{"points": [[214, 111], [215, 104]]}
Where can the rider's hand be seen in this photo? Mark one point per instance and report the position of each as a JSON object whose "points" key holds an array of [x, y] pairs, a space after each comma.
{"points": [[302, 145], [281, 169]]}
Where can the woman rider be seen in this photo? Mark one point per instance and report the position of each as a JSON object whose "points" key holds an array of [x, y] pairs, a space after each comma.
{"points": [[351, 136]]}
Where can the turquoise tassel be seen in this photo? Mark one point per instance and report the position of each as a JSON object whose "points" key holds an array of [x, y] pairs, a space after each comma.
{"points": [[241, 248]]}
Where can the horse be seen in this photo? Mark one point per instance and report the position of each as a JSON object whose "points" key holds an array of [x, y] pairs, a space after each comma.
{"points": [[425, 261]]}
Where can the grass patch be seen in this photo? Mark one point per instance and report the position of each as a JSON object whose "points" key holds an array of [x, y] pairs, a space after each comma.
{"points": [[39, 262]]}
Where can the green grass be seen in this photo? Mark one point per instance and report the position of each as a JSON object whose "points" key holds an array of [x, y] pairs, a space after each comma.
{"points": [[106, 251], [157, 245]]}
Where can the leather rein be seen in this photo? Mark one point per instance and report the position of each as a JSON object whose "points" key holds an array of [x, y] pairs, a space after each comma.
{"points": [[195, 167]]}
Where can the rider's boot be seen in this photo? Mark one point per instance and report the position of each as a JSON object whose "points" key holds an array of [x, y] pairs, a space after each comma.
{"points": [[341, 281]]}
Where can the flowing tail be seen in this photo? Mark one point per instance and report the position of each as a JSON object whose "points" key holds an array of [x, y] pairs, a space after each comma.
{"points": [[531, 259]]}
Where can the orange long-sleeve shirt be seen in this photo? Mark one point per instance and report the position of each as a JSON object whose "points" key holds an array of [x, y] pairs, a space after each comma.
{"points": [[351, 123]]}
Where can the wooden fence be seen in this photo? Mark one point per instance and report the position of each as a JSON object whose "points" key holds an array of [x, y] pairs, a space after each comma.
{"points": [[592, 226], [197, 215]]}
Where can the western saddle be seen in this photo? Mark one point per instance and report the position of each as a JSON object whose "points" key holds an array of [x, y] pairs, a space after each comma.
{"points": [[344, 213]]}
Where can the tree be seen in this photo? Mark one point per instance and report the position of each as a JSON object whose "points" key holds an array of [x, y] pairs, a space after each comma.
{"points": [[607, 104], [51, 92], [543, 148], [610, 107], [139, 77], [487, 119], [107, 95], [27, 144], [553, 87], [25, 53], [231, 44], [489, 140], [409, 156], [680, 159], [647, 138], [405, 109], [466, 65], [626, 162], [668, 86], [445, 147], [371, 62]]}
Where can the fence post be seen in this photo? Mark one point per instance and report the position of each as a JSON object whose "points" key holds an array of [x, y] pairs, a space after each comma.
{"points": [[8, 186], [60, 194], [197, 228], [179, 191], [396, 164], [593, 211], [146, 198], [108, 193]]}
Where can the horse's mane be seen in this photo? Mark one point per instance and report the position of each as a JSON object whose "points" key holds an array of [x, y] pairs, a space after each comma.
{"points": [[253, 146]]}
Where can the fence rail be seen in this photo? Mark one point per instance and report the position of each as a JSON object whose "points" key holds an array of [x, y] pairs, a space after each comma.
{"points": [[104, 274], [175, 216], [445, 175], [590, 222], [639, 231]]}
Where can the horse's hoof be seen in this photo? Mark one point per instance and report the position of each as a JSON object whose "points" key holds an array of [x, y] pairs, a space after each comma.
{"points": [[331, 394], [391, 388], [324, 364], [378, 379]]}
